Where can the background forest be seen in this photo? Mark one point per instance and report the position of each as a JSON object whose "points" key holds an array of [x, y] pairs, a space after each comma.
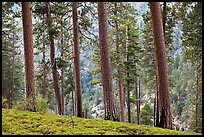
{"points": [[133, 62]]}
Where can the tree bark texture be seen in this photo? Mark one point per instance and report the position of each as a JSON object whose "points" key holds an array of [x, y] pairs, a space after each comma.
{"points": [[76, 53], [28, 55], [120, 82], [164, 16], [53, 62], [106, 62], [162, 69]]}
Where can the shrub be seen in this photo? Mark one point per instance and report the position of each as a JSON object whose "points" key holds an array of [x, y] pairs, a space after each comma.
{"points": [[177, 127], [4, 102], [19, 106], [41, 105]]}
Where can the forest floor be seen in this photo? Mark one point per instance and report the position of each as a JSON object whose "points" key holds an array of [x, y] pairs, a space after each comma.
{"points": [[16, 122]]}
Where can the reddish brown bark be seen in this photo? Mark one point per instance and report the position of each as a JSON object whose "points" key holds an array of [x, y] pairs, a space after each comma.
{"points": [[28, 55], [162, 69], [105, 62], [77, 79], [164, 16], [53, 62], [120, 85]]}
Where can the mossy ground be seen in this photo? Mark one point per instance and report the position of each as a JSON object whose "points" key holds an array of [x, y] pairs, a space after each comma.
{"points": [[15, 122]]}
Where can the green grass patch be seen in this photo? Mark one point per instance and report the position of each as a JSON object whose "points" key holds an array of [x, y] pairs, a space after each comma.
{"points": [[16, 122]]}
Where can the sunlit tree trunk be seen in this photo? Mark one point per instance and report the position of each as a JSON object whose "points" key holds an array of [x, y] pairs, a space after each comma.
{"points": [[106, 62], [161, 66], [53, 62], [77, 79], [28, 55]]}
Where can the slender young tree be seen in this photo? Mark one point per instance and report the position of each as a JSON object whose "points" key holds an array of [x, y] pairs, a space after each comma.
{"points": [[106, 62], [12, 73], [44, 69], [2, 75], [196, 101], [76, 52], [28, 55], [120, 82], [53, 61], [137, 101], [155, 101], [127, 74], [62, 75], [161, 66]]}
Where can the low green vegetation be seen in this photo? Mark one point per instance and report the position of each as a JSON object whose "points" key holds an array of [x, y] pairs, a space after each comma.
{"points": [[16, 122]]}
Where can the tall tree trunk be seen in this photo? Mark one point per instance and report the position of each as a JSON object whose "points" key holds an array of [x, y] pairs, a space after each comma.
{"points": [[44, 70], [8, 97], [155, 101], [164, 16], [127, 75], [120, 85], [77, 79], [28, 55], [137, 101], [62, 75], [196, 101], [106, 62], [2, 75], [12, 84], [161, 63], [53, 62], [73, 114]]}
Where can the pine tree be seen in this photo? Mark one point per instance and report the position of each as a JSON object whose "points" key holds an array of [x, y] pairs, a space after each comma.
{"points": [[76, 51], [53, 61], [120, 82], [29, 56], [161, 63], [105, 62]]}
